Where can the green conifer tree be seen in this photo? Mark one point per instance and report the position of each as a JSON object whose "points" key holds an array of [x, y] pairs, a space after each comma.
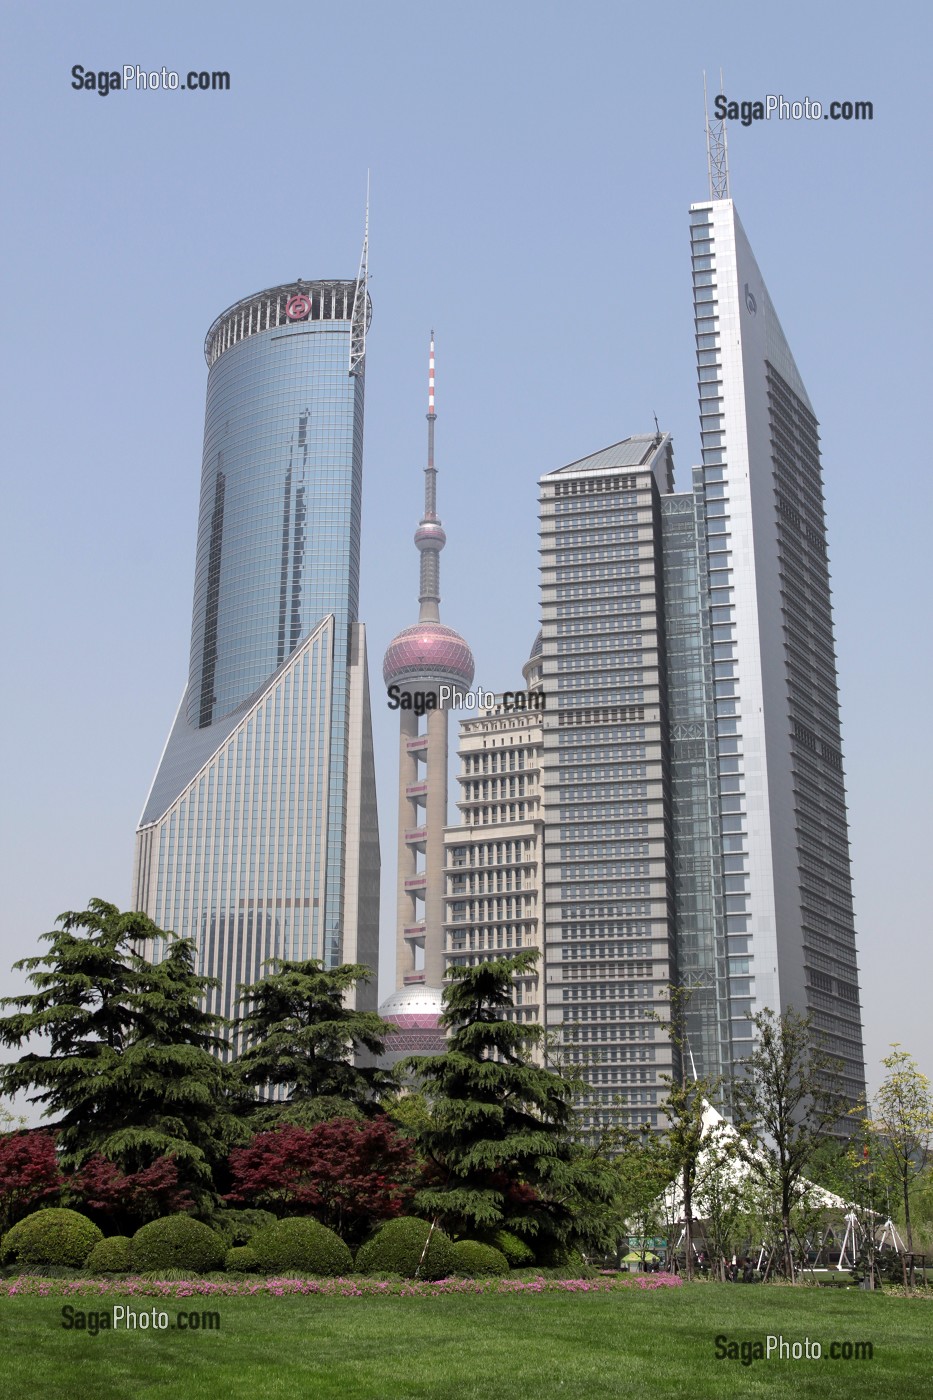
{"points": [[498, 1134]]}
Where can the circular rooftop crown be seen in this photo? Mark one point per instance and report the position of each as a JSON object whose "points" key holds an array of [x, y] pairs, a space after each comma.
{"points": [[428, 654], [282, 306]]}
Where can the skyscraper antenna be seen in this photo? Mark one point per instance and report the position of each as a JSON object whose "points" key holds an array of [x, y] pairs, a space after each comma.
{"points": [[717, 151], [361, 301]]}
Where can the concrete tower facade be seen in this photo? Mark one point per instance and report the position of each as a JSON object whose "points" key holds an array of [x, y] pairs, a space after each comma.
{"points": [[423, 666], [495, 855]]}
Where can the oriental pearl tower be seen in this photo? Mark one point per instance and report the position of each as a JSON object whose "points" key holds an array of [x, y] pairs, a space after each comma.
{"points": [[421, 660]]}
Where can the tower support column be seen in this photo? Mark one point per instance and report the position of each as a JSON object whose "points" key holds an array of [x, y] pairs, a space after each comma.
{"points": [[407, 855], [435, 822]]}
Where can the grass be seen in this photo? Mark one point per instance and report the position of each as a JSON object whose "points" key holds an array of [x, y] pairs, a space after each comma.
{"points": [[471, 1347]]}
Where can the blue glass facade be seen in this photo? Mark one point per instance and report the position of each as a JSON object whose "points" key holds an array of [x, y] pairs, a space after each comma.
{"points": [[279, 527], [699, 912]]}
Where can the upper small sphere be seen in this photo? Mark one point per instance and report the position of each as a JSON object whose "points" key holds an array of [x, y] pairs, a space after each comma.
{"points": [[427, 655], [430, 535]]}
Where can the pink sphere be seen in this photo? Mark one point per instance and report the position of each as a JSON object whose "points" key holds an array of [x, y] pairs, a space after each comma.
{"points": [[426, 655]]}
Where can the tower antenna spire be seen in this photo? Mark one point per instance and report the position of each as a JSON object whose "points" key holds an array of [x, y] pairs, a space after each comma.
{"points": [[430, 536], [717, 150], [360, 319]]}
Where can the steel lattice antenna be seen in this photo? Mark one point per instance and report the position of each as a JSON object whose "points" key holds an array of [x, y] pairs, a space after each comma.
{"points": [[717, 150], [360, 317]]}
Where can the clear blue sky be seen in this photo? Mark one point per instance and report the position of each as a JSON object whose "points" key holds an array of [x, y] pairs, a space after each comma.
{"points": [[532, 164]]}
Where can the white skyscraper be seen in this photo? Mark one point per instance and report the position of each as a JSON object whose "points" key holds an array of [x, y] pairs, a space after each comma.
{"points": [[788, 894]]}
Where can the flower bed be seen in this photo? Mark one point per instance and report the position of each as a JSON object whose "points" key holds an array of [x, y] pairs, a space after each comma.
{"points": [[31, 1286]]}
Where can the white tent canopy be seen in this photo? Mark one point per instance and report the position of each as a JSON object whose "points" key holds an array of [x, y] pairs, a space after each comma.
{"points": [[736, 1171]]}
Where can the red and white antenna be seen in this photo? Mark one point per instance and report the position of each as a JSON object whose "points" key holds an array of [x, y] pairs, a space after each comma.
{"points": [[431, 413]]}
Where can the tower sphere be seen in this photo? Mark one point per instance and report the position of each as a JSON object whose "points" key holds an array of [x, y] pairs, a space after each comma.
{"points": [[430, 535], [426, 656]]}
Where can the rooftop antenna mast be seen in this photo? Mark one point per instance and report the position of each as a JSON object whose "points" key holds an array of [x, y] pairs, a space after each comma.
{"points": [[717, 150], [360, 319]]}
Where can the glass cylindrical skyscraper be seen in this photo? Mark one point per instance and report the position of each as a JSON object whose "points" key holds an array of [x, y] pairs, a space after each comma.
{"points": [[259, 836], [279, 525]]}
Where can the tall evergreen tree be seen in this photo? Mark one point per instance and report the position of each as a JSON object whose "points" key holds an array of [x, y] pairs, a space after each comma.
{"points": [[182, 1090], [301, 1037], [498, 1134], [129, 1074], [83, 1004]]}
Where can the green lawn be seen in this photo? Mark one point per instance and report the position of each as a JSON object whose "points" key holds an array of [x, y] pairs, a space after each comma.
{"points": [[483, 1347]]}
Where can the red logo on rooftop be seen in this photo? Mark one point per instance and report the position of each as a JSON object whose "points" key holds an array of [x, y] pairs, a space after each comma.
{"points": [[298, 307]]}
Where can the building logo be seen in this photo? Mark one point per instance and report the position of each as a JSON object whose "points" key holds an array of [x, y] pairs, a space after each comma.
{"points": [[750, 301], [298, 307]]}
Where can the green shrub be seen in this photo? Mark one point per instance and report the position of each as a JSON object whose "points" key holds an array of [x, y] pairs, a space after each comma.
{"points": [[177, 1242], [302, 1245], [111, 1256], [52, 1236], [241, 1260], [239, 1226], [475, 1260], [397, 1249], [568, 1264], [518, 1251]]}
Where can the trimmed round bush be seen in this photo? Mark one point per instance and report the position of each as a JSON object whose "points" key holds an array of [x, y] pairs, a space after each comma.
{"points": [[517, 1251], [239, 1226], [177, 1242], [241, 1260], [397, 1249], [475, 1260], [303, 1245], [52, 1236], [111, 1256]]}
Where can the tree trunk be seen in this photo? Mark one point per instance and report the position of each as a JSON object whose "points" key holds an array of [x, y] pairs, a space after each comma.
{"points": [[788, 1247], [910, 1236], [688, 1223]]}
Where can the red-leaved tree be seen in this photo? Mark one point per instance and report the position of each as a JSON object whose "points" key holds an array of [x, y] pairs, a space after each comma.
{"points": [[29, 1173], [121, 1198], [350, 1175]]}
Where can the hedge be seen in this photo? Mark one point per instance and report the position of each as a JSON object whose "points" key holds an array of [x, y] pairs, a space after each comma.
{"points": [[177, 1242], [517, 1251], [302, 1245], [475, 1260], [397, 1249], [241, 1259], [52, 1236], [110, 1256]]}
